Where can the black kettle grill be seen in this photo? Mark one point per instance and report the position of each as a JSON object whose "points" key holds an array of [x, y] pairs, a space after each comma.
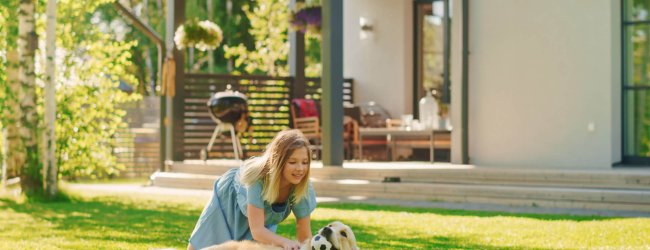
{"points": [[228, 109]]}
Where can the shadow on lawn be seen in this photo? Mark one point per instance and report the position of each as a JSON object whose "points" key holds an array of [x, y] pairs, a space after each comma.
{"points": [[369, 237], [156, 224], [163, 225], [457, 212], [105, 219]]}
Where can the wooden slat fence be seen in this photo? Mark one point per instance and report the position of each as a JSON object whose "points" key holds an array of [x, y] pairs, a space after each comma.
{"points": [[268, 104]]}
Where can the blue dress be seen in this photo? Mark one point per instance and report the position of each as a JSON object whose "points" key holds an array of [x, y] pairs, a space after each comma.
{"points": [[225, 217]]}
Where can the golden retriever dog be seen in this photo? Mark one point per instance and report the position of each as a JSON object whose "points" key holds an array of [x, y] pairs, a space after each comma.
{"points": [[335, 236]]}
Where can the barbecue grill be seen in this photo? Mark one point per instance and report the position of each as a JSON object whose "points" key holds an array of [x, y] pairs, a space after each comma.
{"points": [[227, 109]]}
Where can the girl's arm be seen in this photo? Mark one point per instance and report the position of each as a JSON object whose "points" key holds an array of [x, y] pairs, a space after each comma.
{"points": [[263, 235], [303, 229]]}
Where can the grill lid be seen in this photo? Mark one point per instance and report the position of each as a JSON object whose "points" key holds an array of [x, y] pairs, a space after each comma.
{"points": [[228, 106]]}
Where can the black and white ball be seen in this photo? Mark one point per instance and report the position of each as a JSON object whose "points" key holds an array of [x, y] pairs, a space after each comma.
{"points": [[319, 242]]}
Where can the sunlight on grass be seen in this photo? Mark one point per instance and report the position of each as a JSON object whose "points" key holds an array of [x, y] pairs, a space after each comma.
{"points": [[136, 221]]}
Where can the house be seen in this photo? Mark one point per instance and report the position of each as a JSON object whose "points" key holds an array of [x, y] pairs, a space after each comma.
{"points": [[534, 84], [541, 110]]}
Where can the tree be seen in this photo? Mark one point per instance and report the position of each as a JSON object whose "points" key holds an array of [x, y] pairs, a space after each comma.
{"points": [[30, 173], [9, 78], [50, 103]]}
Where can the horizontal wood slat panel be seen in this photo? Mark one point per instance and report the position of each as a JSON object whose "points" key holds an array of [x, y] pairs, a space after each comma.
{"points": [[268, 103]]}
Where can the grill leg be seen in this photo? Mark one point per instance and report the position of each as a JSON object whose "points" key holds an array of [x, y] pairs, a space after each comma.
{"points": [[239, 148], [233, 138], [216, 132]]}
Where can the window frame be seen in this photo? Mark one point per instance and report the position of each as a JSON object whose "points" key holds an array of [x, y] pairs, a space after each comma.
{"points": [[627, 159]]}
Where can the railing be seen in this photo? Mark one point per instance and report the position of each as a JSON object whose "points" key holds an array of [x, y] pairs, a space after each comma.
{"points": [[268, 104]]}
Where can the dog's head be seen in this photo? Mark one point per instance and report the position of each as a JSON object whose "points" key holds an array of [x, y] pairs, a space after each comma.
{"points": [[335, 236]]}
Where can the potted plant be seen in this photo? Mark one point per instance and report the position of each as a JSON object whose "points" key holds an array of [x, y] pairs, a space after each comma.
{"points": [[306, 18], [202, 35]]}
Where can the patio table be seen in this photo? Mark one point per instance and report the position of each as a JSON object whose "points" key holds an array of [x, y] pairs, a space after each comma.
{"points": [[391, 133]]}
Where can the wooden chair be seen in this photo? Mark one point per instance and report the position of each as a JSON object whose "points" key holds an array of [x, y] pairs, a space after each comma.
{"points": [[351, 119], [308, 125]]}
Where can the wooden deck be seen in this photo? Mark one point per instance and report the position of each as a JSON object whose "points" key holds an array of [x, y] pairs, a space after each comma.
{"points": [[619, 189]]}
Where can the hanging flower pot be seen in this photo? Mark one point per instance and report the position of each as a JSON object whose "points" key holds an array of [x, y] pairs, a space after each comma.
{"points": [[202, 35], [306, 18]]}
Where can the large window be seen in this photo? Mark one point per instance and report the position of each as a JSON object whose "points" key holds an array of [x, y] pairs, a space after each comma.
{"points": [[636, 81]]}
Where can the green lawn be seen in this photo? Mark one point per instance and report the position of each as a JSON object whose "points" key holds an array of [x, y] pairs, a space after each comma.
{"points": [[98, 220]]}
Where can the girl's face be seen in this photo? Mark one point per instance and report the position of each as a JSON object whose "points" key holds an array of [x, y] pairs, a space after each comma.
{"points": [[297, 167]]}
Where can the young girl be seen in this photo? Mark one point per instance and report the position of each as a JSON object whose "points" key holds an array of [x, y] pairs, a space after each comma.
{"points": [[249, 202]]}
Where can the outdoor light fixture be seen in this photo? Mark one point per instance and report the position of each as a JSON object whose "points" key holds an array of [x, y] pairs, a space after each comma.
{"points": [[366, 28]]}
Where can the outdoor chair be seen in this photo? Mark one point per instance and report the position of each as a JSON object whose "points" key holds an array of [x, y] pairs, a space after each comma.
{"points": [[351, 119], [305, 117]]}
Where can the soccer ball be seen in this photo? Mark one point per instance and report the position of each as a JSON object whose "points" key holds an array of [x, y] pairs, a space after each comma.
{"points": [[319, 242]]}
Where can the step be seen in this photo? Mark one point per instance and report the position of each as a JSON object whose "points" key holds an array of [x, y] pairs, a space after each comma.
{"points": [[550, 178], [183, 180], [608, 199], [211, 167], [551, 197], [610, 179]]}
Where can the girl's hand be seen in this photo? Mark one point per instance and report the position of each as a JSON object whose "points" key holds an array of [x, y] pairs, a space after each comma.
{"points": [[290, 245]]}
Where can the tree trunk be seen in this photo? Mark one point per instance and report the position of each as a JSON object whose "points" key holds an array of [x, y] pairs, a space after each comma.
{"points": [[15, 148], [50, 102], [30, 174]]}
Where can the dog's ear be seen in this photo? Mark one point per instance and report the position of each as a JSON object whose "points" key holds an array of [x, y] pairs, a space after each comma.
{"points": [[349, 237]]}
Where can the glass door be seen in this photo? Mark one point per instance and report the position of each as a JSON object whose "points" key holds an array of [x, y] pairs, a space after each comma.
{"points": [[431, 52]]}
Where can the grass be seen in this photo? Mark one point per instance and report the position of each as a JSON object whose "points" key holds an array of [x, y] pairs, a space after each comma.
{"points": [[101, 220], [119, 180]]}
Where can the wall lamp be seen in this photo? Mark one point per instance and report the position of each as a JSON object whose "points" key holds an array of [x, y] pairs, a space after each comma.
{"points": [[366, 28]]}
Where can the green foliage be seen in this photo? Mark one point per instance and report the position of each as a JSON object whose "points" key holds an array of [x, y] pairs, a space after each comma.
{"points": [[234, 26], [90, 66], [4, 87], [88, 97], [269, 25], [110, 21], [8, 36], [9, 21], [313, 66]]}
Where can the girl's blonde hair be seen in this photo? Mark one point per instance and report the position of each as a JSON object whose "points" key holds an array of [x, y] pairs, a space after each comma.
{"points": [[270, 165]]}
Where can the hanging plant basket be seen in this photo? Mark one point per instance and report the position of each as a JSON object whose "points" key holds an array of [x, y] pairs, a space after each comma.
{"points": [[306, 18], [202, 35]]}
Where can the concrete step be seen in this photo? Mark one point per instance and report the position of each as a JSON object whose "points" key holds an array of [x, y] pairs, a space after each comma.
{"points": [[585, 198], [211, 167], [550, 197], [549, 178], [609, 179], [183, 180]]}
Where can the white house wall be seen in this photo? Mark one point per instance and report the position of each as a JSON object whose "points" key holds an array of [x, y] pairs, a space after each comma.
{"points": [[540, 74], [382, 65]]}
